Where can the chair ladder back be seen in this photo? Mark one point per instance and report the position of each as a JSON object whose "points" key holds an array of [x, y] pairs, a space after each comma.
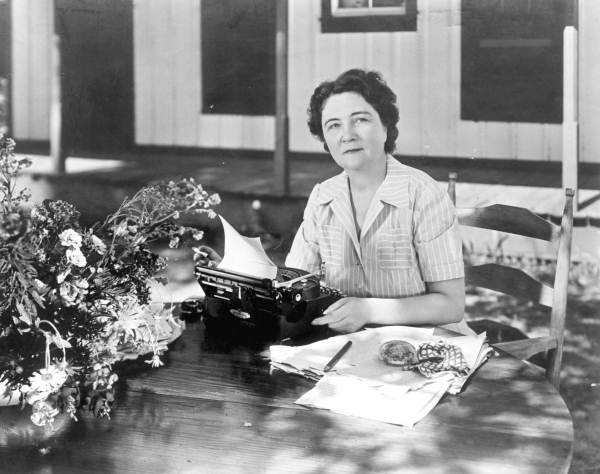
{"points": [[515, 282], [510, 281], [561, 284], [510, 219]]}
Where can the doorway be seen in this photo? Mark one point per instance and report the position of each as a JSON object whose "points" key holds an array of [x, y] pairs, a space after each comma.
{"points": [[96, 38]]}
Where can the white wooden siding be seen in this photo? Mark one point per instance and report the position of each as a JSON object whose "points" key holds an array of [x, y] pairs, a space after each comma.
{"points": [[168, 88], [423, 67], [32, 25], [589, 81]]}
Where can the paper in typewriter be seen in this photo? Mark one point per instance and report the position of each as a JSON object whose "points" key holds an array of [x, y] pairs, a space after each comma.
{"points": [[245, 255]]}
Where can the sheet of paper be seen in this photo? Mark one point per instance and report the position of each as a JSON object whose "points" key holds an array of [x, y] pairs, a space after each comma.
{"points": [[245, 255], [350, 396], [362, 360], [362, 385]]}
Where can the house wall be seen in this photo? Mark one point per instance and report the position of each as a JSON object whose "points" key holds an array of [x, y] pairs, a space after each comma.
{"points": [[589, 79], [423, 67], [168, 87], [32, 26]]}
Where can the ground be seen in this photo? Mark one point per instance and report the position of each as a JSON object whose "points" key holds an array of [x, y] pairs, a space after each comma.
{"points": [[580, 378]]}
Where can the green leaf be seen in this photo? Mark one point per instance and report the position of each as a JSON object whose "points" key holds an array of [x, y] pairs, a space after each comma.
{"points": [[24, 315], [38, 299]]}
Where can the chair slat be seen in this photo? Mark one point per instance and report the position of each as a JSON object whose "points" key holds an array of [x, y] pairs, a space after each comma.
{"points": [[510, 281], [526, 348], [511, 219]]}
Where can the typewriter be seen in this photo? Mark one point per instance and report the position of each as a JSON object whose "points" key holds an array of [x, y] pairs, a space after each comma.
{"points": [[247, 307]]}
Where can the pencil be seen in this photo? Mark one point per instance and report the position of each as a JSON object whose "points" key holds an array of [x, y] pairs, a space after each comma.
{"points": [[336, 358]]}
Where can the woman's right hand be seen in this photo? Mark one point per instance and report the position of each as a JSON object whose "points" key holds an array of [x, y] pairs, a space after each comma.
{"points": [[206, 256]]}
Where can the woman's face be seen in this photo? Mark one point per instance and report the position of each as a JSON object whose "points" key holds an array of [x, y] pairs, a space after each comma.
{"points": [[353, 131]]}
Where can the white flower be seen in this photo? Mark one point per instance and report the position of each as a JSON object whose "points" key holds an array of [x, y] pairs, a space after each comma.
{"points": [[155, 361], [214, 199], [41, 255], [70, 238], [40, 286], [76, 257], [48, 380], [98, 244], [72, 292], [43, 413], [174, 243], [63, 275], [198, 235], [121, 229]]}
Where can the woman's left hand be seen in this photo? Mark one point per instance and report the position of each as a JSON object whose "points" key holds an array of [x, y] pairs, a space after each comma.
{"points": [[346, 315]]}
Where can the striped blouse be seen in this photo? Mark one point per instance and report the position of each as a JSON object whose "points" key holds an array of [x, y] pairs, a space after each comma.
{"points": [[409, 236]]}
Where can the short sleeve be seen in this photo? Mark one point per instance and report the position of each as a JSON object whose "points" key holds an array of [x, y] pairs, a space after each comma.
{"points": [[304, 253], [435, 235]]}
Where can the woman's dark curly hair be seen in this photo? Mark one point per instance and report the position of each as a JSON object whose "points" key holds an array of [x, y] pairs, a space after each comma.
{"points": [[372, 87]]}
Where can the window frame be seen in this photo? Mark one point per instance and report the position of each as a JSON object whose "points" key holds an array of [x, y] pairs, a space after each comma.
{"points": [[365, 21], [370, 10]]}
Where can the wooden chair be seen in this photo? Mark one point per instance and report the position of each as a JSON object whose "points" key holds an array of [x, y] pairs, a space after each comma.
{"points": [[515, 282]]}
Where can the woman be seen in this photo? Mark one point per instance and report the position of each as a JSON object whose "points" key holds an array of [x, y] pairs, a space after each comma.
{"points": [[384, 233]]}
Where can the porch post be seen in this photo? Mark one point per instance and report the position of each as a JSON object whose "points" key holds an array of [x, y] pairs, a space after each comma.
{"points": [[56, 146], [282, 173], [570, 145]]}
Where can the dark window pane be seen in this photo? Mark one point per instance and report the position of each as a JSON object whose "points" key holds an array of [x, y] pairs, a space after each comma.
{"points": [[353, 3], [512, 60], [388, 3], [238, 57]]}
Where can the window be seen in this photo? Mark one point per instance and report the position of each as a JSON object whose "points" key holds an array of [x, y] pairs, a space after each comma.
{"points": [[511, 68], [339, 16], [367, 7], [238, 57]]}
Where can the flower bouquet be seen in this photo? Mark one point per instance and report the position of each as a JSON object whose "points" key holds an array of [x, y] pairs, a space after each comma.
{"points": [[75, 301]]}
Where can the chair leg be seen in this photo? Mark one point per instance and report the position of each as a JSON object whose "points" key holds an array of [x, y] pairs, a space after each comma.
{"points": [[553, 364]]}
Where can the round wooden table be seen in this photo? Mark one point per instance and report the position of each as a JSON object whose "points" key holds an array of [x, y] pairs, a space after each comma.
{"points": [[216, 408]]}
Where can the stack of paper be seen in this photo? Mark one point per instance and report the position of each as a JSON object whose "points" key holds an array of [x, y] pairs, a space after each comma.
{"points": [[362, 385]]}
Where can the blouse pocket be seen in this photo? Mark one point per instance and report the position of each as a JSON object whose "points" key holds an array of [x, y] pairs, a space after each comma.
{"points": [[332, 245], [394, 249]]}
